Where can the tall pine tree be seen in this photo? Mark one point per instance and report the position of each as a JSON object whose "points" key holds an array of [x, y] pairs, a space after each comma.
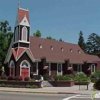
{"points": [[81, 41]]}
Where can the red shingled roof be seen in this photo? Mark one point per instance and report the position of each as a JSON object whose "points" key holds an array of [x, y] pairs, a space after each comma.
{"points": [[22, 13], [57, 55], [18, 52]]}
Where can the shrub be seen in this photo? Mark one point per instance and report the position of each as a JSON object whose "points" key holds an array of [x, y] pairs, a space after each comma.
{"points": [[81, 77], [3, 77], [63, 78], [97, 85], [95, 76], [26, 79], [18, 78], [11, 78]]}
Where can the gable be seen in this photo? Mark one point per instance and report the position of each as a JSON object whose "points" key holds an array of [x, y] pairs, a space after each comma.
{"points": [[24, 21]]}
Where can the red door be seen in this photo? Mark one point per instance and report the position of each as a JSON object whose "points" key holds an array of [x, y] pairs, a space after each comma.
{"points": [[24, 73]]}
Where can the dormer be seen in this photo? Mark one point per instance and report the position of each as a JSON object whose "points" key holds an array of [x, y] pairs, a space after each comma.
{"points": [[51, 48], [71, 50]]}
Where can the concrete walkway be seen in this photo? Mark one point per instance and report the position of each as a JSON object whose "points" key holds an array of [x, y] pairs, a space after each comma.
{"points": [[53, 90]]}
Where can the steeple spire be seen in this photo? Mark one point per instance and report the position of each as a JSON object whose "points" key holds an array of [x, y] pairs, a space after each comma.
{"points": [[19, 4]]}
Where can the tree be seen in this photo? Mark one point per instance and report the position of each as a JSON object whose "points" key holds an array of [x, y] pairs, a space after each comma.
{"points": [[37, 34], [81, 41], [93, 44], [61, 40], [5, 39], [50, 38]]}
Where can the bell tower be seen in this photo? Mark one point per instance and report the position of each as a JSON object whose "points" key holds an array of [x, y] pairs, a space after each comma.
{"points": [[22, 29]]}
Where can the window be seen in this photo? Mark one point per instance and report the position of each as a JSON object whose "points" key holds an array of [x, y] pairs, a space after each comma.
{"points": [[25, 64], [16, 34], [24, 33], [12, 64], [59, 67], [93, 67], [51, 47], [40, 46]]}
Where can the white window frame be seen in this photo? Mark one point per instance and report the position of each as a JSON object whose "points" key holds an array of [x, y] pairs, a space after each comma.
{"points": [[16, 34], [10, 65], [24, 34], [92, 68], [59, 73], [79, 68]]}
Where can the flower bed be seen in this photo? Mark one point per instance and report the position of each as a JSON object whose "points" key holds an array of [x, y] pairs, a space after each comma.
{"points": [[16, 81], [63, 81], [25, 84]]}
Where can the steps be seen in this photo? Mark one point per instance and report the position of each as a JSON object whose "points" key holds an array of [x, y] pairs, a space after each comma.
{"points": [[47, 84]]}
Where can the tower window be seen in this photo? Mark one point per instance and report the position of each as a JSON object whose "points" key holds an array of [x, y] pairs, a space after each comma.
{"points": [[24, 33], [16, 34]]}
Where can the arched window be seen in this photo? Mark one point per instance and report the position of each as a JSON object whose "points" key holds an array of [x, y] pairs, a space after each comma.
{"points": [[24, 34], [12, 64], [25, 64], [16, 34]]}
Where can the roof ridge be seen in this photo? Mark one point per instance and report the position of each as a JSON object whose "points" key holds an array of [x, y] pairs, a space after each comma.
{"points": [[53, 40], [23, 9]]}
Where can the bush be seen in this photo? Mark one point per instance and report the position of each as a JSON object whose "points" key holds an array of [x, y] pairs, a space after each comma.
{"points": [[81, 77], [63, 78], [26, 79], [18, 78], [96, 76], [11, 78], [97, 85], [3, 77]]}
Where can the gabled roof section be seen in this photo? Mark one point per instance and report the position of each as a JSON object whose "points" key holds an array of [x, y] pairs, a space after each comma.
{"points": [[56, 55], [23, 13], [17, 53]]}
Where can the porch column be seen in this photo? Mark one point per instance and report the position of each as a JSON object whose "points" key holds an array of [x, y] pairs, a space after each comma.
{"points": [[49, 68], [37, 68]]}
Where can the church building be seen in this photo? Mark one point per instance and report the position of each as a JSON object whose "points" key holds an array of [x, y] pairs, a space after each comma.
{"points": [[28, 54]]}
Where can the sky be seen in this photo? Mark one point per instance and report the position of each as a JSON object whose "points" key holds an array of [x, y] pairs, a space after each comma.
{"points": [[56, 18]]}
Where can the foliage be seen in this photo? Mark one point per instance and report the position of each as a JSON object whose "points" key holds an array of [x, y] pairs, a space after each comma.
{"points": [[11, 78], [18, 86], [26, 79], [31, 86], [5, 39], [18, 78], [61, 40], [97, 85], [37, 34], [81, 77], [93, 44], [95, 76], [63, 78], [3, 77], [81, 41], [50, 38], [46, 77]]}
